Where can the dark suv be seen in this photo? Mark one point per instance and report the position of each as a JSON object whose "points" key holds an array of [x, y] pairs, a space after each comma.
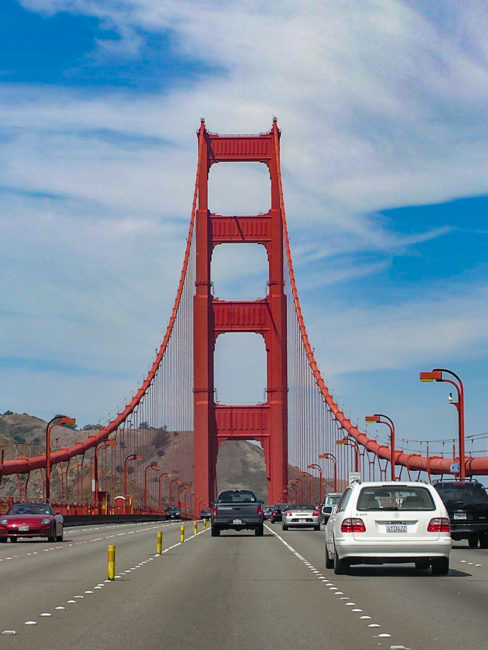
{"points": [[467, 505]]}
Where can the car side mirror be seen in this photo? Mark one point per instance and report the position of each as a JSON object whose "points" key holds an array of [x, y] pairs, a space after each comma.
{"points": [[334, 510]]}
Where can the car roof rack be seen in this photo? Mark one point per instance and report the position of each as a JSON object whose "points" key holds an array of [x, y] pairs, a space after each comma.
{"points": [[469, 479]]}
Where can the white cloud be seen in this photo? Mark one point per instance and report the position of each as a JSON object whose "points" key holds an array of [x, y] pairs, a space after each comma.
{"points": [[380, 105], [448, 325]]}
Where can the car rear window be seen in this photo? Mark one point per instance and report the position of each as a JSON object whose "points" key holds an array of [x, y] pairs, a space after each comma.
{"points": [[395, 498], [237, 496], [462, 493], [331, 500]]}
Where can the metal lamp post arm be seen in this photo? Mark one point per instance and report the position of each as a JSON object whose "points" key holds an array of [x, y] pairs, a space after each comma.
{"points": [[321, 478], [390, 424], [460, 409]]}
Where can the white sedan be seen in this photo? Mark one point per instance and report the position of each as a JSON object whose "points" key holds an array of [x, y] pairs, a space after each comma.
{"points": [[381, 522], [301, 515]]}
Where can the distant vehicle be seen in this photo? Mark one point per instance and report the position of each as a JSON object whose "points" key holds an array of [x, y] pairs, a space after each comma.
{"points": [[467, 504], [172, 512], [236, 510], [268, 511], [276, 513], [301, 515], [205, 514], [381, 522], [330, 501], [31, 520]]}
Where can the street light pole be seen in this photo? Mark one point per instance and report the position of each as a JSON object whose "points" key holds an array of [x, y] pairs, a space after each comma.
{"points": [[310, 478], [437, 375], [161, 476], [106, 443], [126, 471], [151, 466], [181, 487], [56, 420], [321, 478], [351, 443], [302, 489], [176, 481], [390, 424], [334, 460]]}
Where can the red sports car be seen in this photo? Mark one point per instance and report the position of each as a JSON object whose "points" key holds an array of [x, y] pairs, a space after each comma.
{"points": [[31, 520]]}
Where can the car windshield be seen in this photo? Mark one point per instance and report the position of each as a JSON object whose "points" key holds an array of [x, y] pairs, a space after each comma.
{"points": [[281, 506], [30, 509], [453, 493], [395, 498], [237, 496]]}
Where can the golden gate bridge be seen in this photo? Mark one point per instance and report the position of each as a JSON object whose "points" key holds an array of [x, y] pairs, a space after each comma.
{"points": [[299, 426]]}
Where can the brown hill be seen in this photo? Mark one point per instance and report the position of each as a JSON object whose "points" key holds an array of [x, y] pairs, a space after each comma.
{"points": [[240, 463]]}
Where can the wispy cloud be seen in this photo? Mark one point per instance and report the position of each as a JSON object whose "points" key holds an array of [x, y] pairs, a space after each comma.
{"points": [[382, 105]]}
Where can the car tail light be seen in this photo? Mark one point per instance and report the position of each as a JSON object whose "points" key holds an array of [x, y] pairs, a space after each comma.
{"points": [[275, 512], [260, 510], [214, 511], [439, 525], [288, 513], [316, 513], [353, 525]]}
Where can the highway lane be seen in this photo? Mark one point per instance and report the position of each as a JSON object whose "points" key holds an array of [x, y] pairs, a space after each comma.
{"points": [[236, 591], [417, 609], [38, 576]]}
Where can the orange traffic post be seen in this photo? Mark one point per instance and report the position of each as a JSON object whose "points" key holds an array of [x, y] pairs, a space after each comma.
{"points": [[195, 527], [159, 544], [182, 533]]}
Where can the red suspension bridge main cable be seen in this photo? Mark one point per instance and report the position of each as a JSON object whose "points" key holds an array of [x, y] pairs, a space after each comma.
{"points": [[415, 462], [24, 465]]}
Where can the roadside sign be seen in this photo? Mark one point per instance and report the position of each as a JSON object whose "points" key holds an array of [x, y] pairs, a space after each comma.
{"points": [[354, 476], [455, 468]]}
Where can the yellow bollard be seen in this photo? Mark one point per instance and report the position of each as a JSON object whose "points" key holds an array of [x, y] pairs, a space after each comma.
{"points": [[159, 545], [204, 524], [182, 533], [111, 563], [195, 527]]}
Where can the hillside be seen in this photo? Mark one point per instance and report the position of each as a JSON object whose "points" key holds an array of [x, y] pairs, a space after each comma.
{"points": [[240, 463]]}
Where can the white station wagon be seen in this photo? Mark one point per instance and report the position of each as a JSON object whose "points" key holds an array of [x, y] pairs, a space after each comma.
{"points": [[381, 522]]}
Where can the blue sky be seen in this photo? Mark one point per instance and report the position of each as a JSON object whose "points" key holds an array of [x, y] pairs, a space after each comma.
{"points": [[383, 111]]}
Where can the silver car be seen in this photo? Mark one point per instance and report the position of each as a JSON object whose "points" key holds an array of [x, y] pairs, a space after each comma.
{"points": [[380, 522], [301, 515]]}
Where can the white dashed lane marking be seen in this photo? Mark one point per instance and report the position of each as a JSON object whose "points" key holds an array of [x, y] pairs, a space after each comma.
{"points": [[335, 591]]}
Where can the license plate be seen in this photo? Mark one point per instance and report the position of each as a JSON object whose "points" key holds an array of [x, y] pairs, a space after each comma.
{"points": [[238, 522], [396, 528], [23, 529], [459, 515]]}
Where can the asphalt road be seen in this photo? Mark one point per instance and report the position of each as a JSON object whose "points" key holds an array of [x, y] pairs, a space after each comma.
{"points": [[236, 591]]}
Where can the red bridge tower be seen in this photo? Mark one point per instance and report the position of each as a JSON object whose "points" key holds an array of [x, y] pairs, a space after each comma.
{"points": [[215, 423]]}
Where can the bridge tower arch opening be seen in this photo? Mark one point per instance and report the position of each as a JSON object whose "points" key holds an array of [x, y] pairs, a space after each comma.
{"points": [[245, 467], [214, 423]]}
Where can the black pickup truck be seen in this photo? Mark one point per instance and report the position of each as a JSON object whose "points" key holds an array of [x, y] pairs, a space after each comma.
{"points": [[236, 510], [467, 504]]}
